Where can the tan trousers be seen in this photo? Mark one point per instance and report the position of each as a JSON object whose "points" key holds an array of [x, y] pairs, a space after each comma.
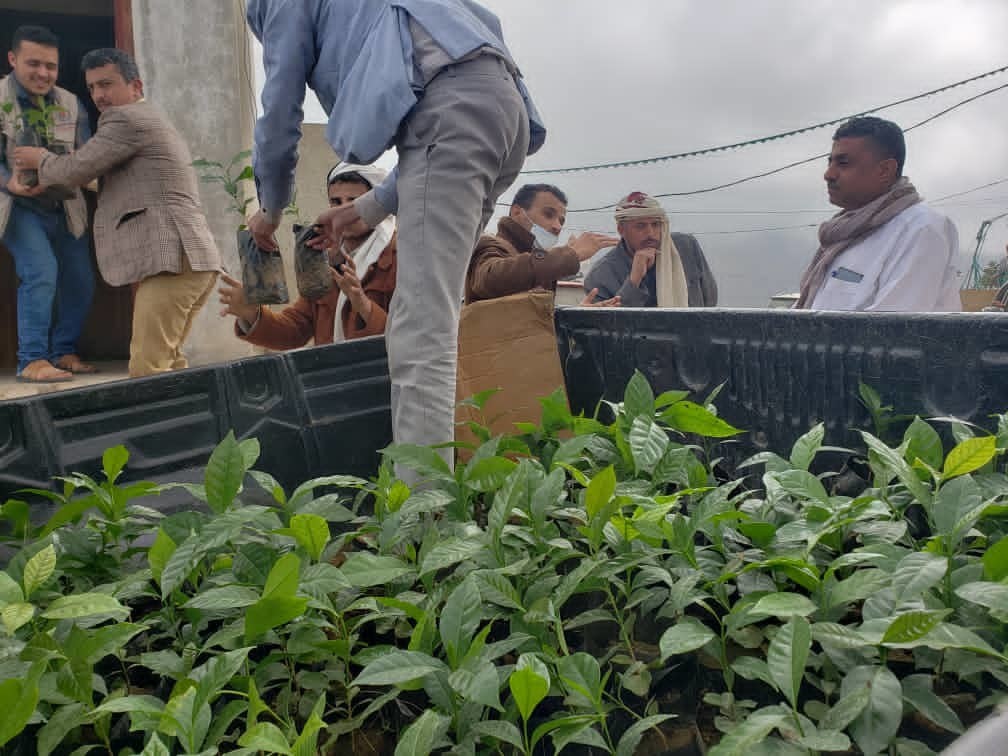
{"points": [[164, 309]]}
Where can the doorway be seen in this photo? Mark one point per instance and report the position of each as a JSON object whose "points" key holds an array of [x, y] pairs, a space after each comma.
{"points": [[81, 25]]}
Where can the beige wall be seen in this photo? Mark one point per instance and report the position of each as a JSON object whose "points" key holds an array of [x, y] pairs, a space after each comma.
{"points": [[198, 68]]}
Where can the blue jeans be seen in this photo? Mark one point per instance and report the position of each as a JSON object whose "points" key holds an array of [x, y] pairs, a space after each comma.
{"points": [[56, 284]]}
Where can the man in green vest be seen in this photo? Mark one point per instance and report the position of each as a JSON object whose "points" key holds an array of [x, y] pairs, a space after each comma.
{"points": [[45, 232]]}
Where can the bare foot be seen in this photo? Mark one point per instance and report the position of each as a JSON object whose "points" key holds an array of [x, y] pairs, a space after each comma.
{"points": [[74, 364], [42, 371]]}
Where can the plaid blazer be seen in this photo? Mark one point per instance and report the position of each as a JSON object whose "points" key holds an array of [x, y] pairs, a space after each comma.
{"points": [[149, 212]]}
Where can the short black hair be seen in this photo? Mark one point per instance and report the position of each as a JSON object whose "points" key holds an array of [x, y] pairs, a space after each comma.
{"points": [[105, 56], [40, 35], [350, 177], [885, 135], [525, 196]]}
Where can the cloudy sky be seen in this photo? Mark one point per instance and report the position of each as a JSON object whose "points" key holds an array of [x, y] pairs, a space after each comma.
{"points": [[632, 80]]}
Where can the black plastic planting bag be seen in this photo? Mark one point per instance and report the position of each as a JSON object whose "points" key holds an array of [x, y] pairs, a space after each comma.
{"points": [[262, 272], [314, 277]]}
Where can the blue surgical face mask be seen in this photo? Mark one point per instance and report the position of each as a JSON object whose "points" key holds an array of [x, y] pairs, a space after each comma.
{"points": [[544, 239]]}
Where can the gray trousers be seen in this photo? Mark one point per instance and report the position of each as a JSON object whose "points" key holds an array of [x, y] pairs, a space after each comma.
{"points": [[460, 148]]}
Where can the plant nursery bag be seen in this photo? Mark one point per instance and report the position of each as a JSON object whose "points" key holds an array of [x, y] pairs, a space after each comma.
{"points": [[262, 272]]}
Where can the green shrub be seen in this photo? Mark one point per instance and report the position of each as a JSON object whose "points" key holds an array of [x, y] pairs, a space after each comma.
{"points": [[581, 586]]}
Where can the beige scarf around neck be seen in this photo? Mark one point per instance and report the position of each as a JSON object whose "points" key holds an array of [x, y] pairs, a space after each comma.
{"points": [[847, 228], [669, 273]]}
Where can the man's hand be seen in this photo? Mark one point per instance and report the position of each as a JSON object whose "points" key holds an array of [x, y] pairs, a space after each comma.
{"points": [[264, 231], [29, 158], [589, 301], [332, 223], [643, 261], [232, 296], [351, 286], [14, 186], [587, 244]]}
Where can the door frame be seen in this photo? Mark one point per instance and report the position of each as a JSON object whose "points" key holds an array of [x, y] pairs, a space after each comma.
{"points": [[122, 14]]}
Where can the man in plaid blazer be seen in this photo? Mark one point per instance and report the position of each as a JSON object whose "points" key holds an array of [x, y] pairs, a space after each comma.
{"points": [[149, 228]]}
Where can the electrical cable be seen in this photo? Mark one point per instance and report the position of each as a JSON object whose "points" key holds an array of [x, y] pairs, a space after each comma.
{"points": [[766, 139], [796, 163]]}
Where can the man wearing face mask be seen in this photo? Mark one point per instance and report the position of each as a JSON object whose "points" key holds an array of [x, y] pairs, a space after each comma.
{"points": [[526, 253], [652, 267]]}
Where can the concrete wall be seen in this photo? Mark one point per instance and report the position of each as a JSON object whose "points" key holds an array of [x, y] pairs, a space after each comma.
{"points": [[194, 61]]}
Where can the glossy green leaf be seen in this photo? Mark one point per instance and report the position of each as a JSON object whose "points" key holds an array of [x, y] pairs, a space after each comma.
{"points": [[995, 560], [311, 532], [912, 626], [224, 473], [753, 730], [366, 570], [917, 692], [18, 699], [500, 730], [751, 668], [687, 635], [916, 574], [877, 724], [481, 686], [923, 442], [802, 485], [648, 443], [85, 605], [628, 743], [424, 460], [459, 620], [969, 456], [787, 656], [600, 491], [895, 462], [397, 667], [994, 596], [489, 474], [17, 615], [580, 673], [223, 599], [448, 553], [10, 591], [847, 709], [784, 605], [529, 683], [266, 737], [688, 417], [268, 613], [638, 399], [423, 735], [114, 459], [806, 447], [859, 586], [61, 723], [39, 569], [159, 553]]}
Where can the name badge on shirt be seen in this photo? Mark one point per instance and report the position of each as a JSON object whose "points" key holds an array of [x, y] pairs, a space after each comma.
{"points": [[848, 275]]}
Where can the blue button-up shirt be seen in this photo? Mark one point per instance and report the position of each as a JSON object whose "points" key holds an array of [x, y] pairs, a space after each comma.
{"points": [[357, 55]]}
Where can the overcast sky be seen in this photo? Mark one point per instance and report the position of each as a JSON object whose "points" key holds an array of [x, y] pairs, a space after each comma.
{"points": [[631, 80]]}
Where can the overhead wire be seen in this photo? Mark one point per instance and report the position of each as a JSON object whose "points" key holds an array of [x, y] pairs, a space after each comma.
{"points": [[766, 139], [794, 164]]}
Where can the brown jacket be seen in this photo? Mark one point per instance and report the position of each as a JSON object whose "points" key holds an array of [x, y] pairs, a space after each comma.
{"points": [[507, 264], [293, 326], [149, 212]]}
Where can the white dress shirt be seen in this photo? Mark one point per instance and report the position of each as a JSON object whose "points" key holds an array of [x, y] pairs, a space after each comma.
{"points": [[908, 265]]}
